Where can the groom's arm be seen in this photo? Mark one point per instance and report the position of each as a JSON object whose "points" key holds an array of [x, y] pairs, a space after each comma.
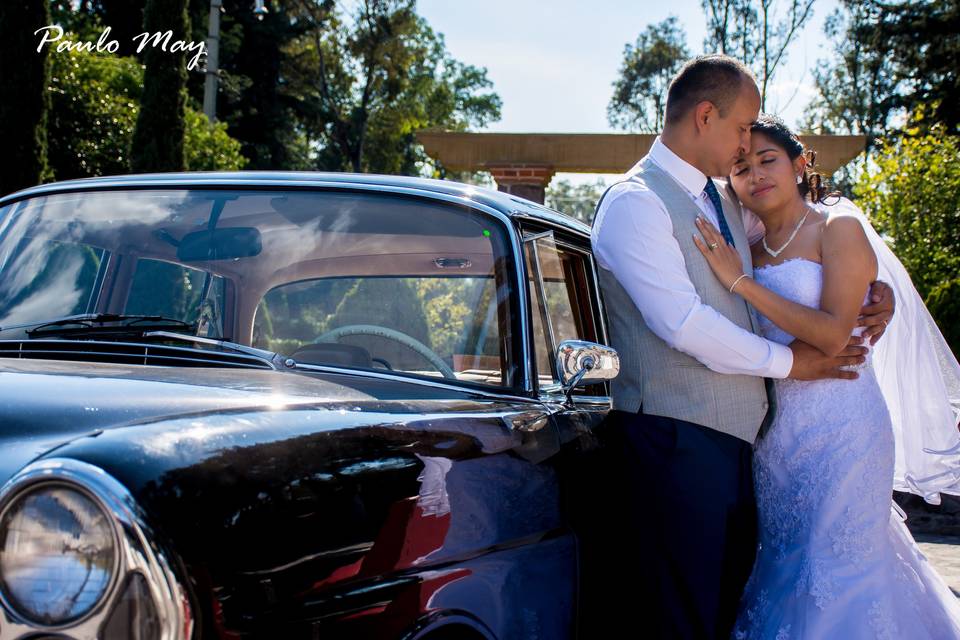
{"points": [[633, 238]]}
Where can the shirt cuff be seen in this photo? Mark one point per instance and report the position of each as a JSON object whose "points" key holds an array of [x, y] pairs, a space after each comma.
{"points": [[781, 361]]}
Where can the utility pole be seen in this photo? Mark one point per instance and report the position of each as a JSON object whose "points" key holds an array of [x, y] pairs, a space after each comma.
{"points": [[213, 55]]}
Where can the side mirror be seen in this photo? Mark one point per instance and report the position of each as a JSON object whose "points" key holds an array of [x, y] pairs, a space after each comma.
{"points": [[580, 362]]}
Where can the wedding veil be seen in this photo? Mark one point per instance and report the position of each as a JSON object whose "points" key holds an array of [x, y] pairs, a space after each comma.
{"points": [[920, 380]]}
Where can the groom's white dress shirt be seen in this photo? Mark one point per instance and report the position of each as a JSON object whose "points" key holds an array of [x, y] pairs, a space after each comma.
{"points": [[632, 237]]}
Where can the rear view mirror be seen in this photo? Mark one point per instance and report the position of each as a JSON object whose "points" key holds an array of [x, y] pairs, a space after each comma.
{"points": [[220, 244]]}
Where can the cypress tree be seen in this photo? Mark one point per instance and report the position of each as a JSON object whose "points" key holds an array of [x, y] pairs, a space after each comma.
{"points": [[24, 100], [158, 137]]}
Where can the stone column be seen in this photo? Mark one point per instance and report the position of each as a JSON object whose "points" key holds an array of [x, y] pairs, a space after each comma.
{"points": [[525, 180]]}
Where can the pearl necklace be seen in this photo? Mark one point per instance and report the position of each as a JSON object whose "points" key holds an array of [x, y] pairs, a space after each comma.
{"points": [[789, 240]]}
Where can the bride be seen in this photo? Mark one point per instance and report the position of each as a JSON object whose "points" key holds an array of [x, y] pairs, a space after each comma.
{"points": [[835, 561]]}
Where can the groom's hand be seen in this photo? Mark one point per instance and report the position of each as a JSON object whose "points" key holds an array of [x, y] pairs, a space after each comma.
{"points": [[809, 363], [877, 315]]}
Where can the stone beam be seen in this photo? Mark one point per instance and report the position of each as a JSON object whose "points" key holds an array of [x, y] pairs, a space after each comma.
{"points": [[585, 152]]}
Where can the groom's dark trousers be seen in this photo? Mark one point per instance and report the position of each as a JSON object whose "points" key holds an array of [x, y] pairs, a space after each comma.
{"points": [[675, 561]]}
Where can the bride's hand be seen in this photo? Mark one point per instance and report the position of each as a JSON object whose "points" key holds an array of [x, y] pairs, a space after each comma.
{"points": [[722, 258]]}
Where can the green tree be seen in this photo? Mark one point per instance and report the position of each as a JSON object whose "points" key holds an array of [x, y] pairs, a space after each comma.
{"points": [[88, 18], [252, 99], [640, 92], [24, 103], [853, 92], [95, 100], [577, 200], [158, 136], [757, 32], [911, 194], [944, 304], [364, 83], [890, 59], [208, 146]]}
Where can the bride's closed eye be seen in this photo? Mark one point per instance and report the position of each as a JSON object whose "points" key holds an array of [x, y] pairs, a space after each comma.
{"points": [[740, 170]]}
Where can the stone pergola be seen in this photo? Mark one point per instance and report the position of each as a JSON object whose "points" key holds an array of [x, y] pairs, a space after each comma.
{"points": [[524, 163]]}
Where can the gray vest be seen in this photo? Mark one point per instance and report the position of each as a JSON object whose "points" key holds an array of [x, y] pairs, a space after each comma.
{"points": [[663, 380]]}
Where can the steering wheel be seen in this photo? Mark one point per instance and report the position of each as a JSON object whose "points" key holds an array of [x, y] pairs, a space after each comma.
{"points": [[398, 336]]}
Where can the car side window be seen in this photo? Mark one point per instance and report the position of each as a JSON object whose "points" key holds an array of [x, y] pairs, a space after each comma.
{"points": [[560, 299]]}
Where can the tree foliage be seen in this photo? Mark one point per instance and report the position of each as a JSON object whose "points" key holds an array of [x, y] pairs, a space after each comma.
{"points": [[944, 304], [95, 101], [756, 32], [640, 91], [253, 97], [24, 103], [158, 135], [208, 146], [576, 200], [313, 84], [889, 60], [913, 198], [364, 83]]}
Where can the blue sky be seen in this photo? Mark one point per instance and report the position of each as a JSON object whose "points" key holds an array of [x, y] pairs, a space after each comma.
{"points": [[553, 63]]}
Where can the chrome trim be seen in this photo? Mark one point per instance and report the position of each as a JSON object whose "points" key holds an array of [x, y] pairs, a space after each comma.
{"points": [[529, 421], [137, 552], [571, 359], [274, 360], [5, 604], [278, 179], [555, 396], [396, 377], [545, 318], [558, 220]]}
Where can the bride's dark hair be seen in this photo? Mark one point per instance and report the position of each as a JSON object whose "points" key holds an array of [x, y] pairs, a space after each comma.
{"points": [[813, 186]]}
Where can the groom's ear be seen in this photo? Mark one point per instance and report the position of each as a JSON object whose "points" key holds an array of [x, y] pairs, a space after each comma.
{"points": [[704, 112]]}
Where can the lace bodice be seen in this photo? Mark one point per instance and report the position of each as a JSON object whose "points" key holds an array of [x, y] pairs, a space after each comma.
{"points": [[801, 281]]}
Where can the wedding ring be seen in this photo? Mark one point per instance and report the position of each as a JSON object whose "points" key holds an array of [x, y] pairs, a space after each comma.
{"points": [[713, 246]]}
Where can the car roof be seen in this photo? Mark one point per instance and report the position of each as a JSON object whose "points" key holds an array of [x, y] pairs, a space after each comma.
{"points": [[510, 205]]}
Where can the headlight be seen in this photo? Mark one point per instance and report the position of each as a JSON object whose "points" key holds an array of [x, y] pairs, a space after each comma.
{"points": [[57, 554]]}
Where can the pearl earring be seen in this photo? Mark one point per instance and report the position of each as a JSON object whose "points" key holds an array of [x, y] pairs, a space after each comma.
{"points": [[799, 179]]}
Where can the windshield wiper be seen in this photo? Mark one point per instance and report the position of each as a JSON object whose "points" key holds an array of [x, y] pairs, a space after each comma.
{"points": [[143, 326], [101, 323]]}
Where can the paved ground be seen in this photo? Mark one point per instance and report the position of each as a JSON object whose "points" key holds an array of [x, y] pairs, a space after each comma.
{"points": [[944, 554]]}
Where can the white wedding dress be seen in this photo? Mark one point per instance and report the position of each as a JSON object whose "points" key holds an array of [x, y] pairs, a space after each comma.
{"points": [[835, 559]]}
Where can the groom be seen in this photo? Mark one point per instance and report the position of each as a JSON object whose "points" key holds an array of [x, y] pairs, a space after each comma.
{"points": [[692, 392]]}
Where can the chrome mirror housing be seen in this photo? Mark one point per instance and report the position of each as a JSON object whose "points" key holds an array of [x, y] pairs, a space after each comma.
{"points": [[580, 362]]}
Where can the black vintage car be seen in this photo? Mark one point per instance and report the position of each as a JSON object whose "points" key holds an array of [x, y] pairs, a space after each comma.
{"points": [[292, 405]]}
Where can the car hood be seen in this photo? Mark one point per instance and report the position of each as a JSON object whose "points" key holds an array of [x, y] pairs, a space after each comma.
{"points": [[44, 404]]}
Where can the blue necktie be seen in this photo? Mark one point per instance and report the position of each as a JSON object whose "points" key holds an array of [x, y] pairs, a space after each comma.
{"points": [[711, 190]]}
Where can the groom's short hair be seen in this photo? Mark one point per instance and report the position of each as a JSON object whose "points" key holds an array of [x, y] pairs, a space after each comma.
{"points": [[714, 78]]}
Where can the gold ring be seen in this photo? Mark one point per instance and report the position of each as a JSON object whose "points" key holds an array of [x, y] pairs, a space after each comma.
{"points": [[713, 245]]}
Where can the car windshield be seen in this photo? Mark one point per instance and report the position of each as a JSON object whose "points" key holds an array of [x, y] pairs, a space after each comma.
{"points": [[345, 278]]}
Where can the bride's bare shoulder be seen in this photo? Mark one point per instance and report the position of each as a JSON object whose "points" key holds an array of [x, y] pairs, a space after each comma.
{"points": [[844, 239]]}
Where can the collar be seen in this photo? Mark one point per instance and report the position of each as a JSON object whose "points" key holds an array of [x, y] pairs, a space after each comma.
{"points": [[687, 175]]}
